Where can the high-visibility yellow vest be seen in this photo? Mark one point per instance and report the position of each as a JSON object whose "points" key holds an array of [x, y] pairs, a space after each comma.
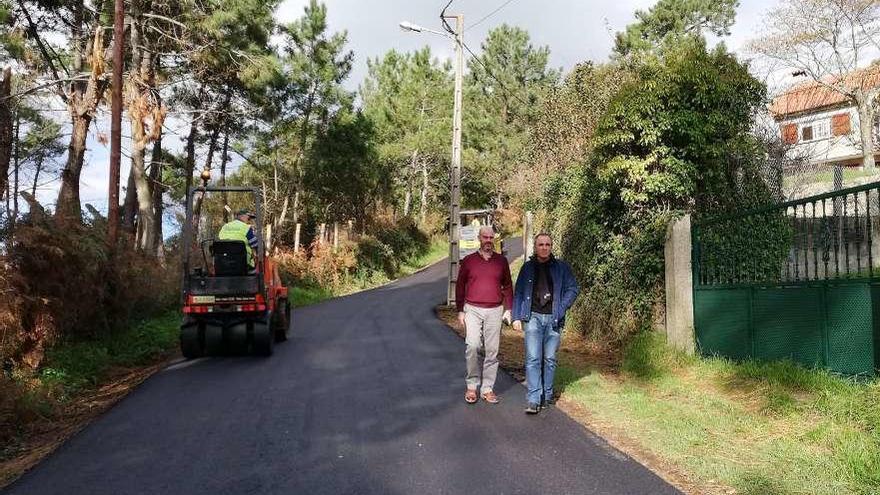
{"points": [[237, 230]]}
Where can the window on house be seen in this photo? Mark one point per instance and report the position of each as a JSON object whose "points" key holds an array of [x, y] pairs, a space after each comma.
{"points": [[822, 129], [807, 133], [819, 129]]}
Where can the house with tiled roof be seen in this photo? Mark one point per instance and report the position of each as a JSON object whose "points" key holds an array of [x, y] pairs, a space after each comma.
{"points": [[821, 122]]}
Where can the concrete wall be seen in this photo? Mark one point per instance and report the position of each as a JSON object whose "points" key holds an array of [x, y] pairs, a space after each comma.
{"points": [[679, 286]]}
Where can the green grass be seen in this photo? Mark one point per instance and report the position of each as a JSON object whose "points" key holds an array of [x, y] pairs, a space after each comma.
{"points": [[760, 428], [300, 295], [827, 177], [438, 250], [73, 366]]}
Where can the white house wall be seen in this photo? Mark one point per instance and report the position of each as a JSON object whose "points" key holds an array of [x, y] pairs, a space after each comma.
{"points": [[831, 149]]}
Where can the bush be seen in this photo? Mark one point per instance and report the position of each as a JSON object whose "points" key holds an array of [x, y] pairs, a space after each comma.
{"points": [[674, 138], [374, 255], [320, 265], [403, 238], [64, 298], [377, 255], [63, 284]]}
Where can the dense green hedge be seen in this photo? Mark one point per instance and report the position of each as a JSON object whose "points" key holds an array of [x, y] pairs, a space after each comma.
{"points": [[675, 137]]}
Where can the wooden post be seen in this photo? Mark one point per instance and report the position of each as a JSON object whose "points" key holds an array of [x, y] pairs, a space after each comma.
{"points": [[296, 238], [323, 231], [350, 230], [335, 235], [528, 234]]}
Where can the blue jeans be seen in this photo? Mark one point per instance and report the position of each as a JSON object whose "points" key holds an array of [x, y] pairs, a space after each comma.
{"points": [[542, 341]]}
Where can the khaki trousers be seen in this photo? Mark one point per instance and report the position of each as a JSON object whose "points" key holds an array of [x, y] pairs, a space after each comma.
{"points": [[482, 333]]}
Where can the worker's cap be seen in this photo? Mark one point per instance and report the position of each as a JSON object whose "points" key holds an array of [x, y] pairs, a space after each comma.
{"points": [[245, 211]]}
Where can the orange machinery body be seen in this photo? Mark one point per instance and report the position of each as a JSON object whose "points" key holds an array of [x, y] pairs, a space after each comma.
{"points": [[256, 303]]}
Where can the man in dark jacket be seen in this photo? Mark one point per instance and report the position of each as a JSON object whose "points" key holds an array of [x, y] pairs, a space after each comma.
{"points": [[545, 289]]}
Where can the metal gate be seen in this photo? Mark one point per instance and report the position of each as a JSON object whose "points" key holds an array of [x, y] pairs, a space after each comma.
{"points": [[798, 280]]}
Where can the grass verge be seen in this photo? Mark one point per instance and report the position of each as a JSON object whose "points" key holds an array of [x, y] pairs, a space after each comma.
{"points": [[712, 426], [79, 381]]}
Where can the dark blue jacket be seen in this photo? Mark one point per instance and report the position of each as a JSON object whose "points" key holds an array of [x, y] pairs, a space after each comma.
{"points": [[565, 290]]}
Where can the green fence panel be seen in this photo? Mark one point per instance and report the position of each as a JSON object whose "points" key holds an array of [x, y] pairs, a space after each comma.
{"points": [[875, 298], [849, 320], [721, 318], [788, 324], [797, 280]]}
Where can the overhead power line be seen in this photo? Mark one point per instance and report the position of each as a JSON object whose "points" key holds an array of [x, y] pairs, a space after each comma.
{"points": [[449, 29], [446, 25], [489, 72], [490, 14]]}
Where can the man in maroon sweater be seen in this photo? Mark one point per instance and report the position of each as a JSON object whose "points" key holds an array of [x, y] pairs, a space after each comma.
{"points": [[483, 296]]}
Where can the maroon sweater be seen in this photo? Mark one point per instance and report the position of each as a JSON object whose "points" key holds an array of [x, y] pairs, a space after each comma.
{"points": [[483, 283]]}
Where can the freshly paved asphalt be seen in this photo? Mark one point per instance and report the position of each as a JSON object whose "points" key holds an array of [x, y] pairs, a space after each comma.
{"points": [[365, 399]]}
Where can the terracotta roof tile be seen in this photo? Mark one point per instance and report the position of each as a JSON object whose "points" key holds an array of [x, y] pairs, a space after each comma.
{"points": [[812, 96]]}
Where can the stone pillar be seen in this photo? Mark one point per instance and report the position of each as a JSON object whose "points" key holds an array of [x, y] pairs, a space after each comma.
{"points": [[679, 286], [528, 234]]}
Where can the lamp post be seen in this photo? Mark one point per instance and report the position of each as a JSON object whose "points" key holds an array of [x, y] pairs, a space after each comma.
{"points": [[455, 175]]}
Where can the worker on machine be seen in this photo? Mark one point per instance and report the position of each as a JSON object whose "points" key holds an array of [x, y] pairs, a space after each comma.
{"points": [[242, 229]]}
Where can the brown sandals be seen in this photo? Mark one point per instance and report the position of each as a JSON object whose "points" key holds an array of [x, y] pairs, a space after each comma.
{"points": [[470, 396]]}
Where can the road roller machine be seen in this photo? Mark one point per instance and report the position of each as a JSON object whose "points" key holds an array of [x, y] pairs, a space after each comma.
{"points": [[229, 307]]}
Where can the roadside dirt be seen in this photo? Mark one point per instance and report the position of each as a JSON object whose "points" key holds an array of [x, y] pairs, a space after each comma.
{"points": [[44, 435], [584, 358]]}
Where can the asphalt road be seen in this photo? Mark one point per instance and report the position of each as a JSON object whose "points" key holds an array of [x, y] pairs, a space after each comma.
{"points": [[367, 398]]}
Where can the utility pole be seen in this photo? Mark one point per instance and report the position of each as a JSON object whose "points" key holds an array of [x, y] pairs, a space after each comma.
{"points": [[455, 173], [116, 126], [455, 179]]}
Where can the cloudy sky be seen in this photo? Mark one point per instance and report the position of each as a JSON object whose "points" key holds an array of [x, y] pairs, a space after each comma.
{"points": [[575, 30]]}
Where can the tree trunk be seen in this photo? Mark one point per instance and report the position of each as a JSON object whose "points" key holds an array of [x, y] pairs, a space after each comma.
{"points": [[83, 100], [157, 190], [6, 138], [406, 199], [144, 197], [224, 158], [215, 133], [129, 205], [212, 145], [37, 170], [407, 203], [866, 129], [142, 106], [190, 154], [16, 163], [296, 207], [68, 197], [423, 204]]}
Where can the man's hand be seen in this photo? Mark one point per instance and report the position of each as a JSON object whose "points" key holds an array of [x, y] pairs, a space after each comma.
{"points": [[506, 317], [461, 318], [517, 325]]}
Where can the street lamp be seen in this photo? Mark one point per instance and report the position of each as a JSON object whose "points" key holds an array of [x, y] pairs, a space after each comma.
{"points": [[455, 182]]}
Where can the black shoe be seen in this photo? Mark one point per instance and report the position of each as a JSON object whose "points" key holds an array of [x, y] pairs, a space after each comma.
{"points": [[533, 408], [548, 403]]}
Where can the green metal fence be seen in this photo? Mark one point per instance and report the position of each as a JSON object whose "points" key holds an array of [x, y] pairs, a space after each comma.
{"points": [[798, 280]]}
